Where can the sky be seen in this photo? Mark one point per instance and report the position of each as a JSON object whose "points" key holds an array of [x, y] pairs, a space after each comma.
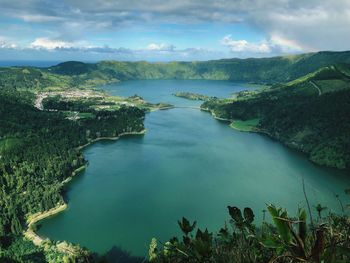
{"points": [[159, 30]]}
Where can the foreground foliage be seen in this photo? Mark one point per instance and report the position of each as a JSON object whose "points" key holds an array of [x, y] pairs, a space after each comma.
{"points": [[287, 239]]}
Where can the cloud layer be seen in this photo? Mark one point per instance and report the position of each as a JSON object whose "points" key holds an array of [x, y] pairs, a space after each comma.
{"points": [[51, 49], [286, 25], [274, 45]]}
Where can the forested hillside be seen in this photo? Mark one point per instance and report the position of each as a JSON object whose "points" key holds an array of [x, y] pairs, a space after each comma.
{"points": [[260, 70], [38, 151], [310, 114], [29, 78], [307, 108], [257, 70]]}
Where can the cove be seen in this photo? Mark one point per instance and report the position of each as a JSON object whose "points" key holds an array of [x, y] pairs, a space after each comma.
{"points": [[187, 164]]}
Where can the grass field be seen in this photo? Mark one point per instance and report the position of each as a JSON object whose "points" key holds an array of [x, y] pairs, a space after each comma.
{"points": [[247, 126], [333, 85]]}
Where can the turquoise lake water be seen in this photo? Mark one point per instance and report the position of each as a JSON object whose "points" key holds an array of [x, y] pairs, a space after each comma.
{"points": [[187, 164]]}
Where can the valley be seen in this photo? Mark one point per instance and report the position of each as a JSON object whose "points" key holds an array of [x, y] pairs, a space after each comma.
{"points": [[49, 114]]}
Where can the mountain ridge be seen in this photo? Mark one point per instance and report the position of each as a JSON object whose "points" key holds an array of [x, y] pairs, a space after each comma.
{"points": [[261, 70]]}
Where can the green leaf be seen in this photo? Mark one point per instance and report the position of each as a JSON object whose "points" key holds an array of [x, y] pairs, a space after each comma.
{"points": [[248, 215], [271, 242], [224, 233], [302, 226], [152, 253], [186, 226], [236, 214], [343, 250], [282, 226], [203, 244]]}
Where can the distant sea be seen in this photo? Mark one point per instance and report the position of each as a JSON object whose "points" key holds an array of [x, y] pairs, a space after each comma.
{"points": [[32, 63], [39, 64]]}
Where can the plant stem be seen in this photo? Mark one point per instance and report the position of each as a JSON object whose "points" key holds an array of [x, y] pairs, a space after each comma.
{"points": [[308, 205]]}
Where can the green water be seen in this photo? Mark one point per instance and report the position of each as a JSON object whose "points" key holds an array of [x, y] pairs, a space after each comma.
{"points": [[187, 164]]}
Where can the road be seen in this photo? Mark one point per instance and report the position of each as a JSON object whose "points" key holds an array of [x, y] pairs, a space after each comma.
{"points": [[188, 107], [314, 84]]}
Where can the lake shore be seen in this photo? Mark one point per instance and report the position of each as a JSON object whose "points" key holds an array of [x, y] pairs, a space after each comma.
{"points": [[234, 149], [214, 115], [112, 138], [290, 145], [33, 219]]}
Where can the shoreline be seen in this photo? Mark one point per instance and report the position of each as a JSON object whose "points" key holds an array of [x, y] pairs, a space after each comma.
{"points": [[290, 146], [37, 217], [212, 113], [256, 130], [240, 130], [33, 219], [115, 138]]}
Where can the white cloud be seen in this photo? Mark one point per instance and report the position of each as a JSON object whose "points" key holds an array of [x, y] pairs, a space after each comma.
{"points": [[152, 52], [245, 46], [6, 43], [275, 45], [50, 44], [37, 18], [160, 47], [307, 25], [285, 45], [313, 24]]}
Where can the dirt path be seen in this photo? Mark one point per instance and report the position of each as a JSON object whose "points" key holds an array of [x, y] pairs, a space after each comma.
{"points": [[39, 101], [30, 234], [318, 89]]}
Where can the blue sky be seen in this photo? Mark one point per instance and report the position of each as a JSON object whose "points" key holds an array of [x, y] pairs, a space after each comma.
{"points": [[158, 30]]}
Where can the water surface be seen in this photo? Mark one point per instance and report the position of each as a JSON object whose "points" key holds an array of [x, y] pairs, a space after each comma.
{"points": [[187, 164]]}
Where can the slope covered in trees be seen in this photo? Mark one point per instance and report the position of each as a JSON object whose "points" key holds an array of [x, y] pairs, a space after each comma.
{"points": [[39, 150], [260, 70], [310, 113]]}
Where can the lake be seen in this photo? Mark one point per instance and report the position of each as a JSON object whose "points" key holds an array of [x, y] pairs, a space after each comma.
{"points": [[187, 164]]}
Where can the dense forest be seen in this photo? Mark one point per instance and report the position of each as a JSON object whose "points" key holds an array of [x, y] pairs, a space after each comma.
{"points": [[38, 150], [288, 239], [310, 114], [307, 107]]}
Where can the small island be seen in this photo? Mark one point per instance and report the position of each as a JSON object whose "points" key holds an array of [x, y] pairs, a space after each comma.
{"points": [[192, 96]]}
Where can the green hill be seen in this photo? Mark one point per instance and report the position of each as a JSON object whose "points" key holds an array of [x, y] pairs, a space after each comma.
{"points": [[260, 70], [310, 114], [306, 84], [39, 150], [308, 110], [73, 68], [256, 70], [29, 78]]}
